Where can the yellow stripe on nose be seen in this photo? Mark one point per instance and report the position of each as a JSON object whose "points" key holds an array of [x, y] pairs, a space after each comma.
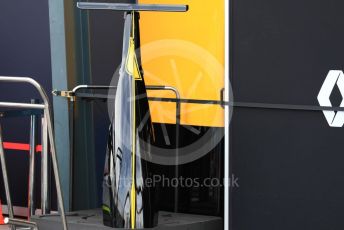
{"points": [[133, 163], [131, 65]]}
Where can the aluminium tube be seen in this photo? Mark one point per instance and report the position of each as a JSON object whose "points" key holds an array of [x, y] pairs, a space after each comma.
{"points": [[45, 169], [33, 139], [5, 178]]}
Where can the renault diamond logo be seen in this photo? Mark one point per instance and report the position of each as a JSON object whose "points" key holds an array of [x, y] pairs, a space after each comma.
{"points": [[334, 77]]}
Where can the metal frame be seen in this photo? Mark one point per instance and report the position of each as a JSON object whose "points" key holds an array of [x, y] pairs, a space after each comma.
{"points": [[132, 7], [34, 114], [21, 223], [49, 132]]}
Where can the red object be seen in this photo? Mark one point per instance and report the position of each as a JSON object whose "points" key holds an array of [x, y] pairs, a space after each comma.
{"points": [[1, 216], [20, 146]]}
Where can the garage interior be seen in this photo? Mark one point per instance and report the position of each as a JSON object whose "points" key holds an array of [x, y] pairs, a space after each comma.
{"points": [[266, 134]]}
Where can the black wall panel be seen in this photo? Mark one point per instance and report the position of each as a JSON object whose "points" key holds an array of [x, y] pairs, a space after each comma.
{"points": [[289, 163], [283, 50]]}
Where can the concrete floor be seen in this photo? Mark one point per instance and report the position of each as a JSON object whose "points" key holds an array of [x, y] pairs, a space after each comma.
{"points": [[3, 227]]}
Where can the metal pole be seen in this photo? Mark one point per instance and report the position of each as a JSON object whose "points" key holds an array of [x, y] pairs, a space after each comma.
{"points": [[72, 151], [45, 169], [176, 173], [55, 167], [227, 75], [33, 132], [20, 105], [80, 87], [176, 190], [5, 178], [176, 194]]}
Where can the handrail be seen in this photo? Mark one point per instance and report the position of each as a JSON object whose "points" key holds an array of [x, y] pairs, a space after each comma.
{"points": [[47, 115], [176, 92], [80, 87], [21, 105], [30, 81]]}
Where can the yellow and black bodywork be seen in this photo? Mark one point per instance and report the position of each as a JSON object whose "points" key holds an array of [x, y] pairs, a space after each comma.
{"points": [[127, 201]]}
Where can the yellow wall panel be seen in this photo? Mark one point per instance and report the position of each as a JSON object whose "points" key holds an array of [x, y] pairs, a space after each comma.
{"points": [[186, 51]]}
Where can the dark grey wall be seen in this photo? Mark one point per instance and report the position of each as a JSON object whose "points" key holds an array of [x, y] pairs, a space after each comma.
{"points": [[289, 163], [24, 51]]}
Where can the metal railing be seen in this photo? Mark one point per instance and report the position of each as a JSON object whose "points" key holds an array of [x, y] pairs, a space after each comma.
{"points": [[47, 135], [178, 112]]}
